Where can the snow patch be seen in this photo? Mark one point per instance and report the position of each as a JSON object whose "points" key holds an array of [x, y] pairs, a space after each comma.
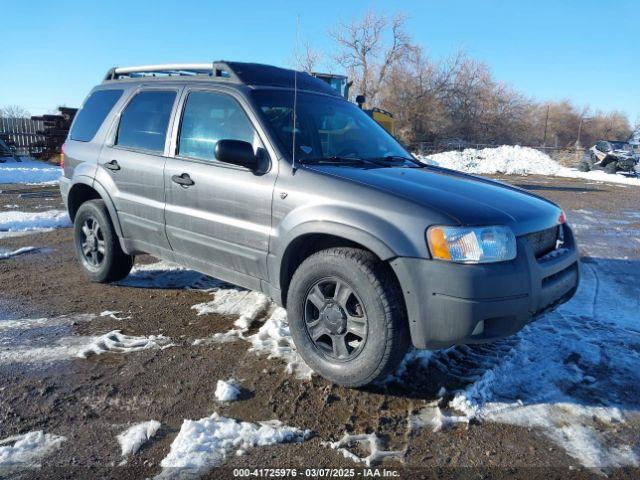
{"points": [[432, 416], [274, 339], [515, 160], [376, 454], [29, 171], [204, 444], [26, 451], [247, 304], [137, 435], [165, 274], [43, 340], [15, 223], [114, 314], [227, 391], [12, 253], [116, 342]]}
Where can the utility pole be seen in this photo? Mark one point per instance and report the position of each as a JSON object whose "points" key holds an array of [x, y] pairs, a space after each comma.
{"points": [[546, 123], [579, 131]]}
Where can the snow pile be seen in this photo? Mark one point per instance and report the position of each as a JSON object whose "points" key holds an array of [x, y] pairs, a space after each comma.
{"points": [[515, 160], [27, 450], [34, 323], [204, 444], [227, 391], [274, 339], [376, 453], [137, 435], [505, 159], [165, 274], [12, 253], [573, 373], [116, 342], [15, 222], [29, 171]]}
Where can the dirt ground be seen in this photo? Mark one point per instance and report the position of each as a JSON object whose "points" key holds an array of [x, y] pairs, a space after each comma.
{"points": [[90, 401]]}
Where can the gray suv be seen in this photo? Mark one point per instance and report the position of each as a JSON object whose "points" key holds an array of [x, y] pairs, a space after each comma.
{"points": [[268, 179]]}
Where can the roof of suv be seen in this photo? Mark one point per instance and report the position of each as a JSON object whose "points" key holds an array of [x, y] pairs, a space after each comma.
{"points": [[240, 73]]}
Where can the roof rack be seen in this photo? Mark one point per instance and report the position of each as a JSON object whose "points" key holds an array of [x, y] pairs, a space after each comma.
{"points": [[212, 69], [254, 74]]}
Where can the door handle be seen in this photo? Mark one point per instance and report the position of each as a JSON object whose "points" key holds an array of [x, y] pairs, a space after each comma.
{"points": [[183, 180], [112, 165]]}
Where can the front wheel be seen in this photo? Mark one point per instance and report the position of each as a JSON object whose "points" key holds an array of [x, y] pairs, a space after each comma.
{"points": [[611, 167], [97, 245], [347, 317]]}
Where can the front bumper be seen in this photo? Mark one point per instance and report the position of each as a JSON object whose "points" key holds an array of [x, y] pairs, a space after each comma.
{"points": [[451, 303]]}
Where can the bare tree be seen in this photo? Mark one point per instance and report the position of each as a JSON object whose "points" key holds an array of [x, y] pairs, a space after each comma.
{"points": [[14, 111], [308, 59], [364, 53]]}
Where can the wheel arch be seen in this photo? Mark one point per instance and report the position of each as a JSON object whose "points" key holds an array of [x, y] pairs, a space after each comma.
{"points": [[84, 190], [316, 236]]}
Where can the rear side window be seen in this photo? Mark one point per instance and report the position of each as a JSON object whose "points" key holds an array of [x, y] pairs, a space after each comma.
{"points": [[143, 123], [93, 113], [207, 118]]}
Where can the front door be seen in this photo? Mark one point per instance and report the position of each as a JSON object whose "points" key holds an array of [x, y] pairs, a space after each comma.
{"points": [[217, 214]]}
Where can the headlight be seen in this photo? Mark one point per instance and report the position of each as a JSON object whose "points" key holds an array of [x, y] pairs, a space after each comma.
{"points": [[472, 244]]}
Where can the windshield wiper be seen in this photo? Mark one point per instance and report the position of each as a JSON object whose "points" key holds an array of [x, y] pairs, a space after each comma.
{"points": [[335, 160], [392, 160]]}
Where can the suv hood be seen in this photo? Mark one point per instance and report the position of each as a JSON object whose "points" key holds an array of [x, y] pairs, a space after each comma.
{"points": [[466, 199]]}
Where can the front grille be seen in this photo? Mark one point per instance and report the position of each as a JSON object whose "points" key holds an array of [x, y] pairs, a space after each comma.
{"points": [[544, 241]]}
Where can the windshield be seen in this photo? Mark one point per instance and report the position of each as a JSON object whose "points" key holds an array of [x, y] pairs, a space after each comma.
{"points": [[327, 128], [621, 146]]}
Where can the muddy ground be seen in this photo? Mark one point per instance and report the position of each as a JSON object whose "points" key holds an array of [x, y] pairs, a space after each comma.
{"points": [[90, 401]]}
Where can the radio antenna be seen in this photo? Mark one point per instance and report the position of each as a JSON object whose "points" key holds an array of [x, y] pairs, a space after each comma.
{"points": [[295, 99]]}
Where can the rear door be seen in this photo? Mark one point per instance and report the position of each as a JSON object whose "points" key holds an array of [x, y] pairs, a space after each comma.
{"points": [[134, 161], [219, 222]]}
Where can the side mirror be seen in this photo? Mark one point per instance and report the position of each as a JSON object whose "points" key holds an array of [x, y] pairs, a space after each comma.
{"points": [[236, 152], [360, 100]]}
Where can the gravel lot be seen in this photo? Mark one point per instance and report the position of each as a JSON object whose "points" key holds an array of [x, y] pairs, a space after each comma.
{"points": [[45, 386]]}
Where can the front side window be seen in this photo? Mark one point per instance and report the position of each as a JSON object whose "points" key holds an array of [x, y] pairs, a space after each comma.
{"points": [[207, 118], [93, 113], [143, 123]]}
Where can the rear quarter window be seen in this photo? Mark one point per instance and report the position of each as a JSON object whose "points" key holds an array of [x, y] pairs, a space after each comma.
{"points": [[93, 113]]}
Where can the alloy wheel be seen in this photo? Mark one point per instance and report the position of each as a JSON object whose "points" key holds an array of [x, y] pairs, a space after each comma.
{"points": [[335, 319]]}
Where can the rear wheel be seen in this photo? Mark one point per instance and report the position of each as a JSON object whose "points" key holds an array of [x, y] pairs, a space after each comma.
{"points": [[347, 317], [584, 166], [97, 245]]}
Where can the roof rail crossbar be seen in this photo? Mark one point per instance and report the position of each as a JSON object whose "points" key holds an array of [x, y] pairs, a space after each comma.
{"points": [[212, 69]]}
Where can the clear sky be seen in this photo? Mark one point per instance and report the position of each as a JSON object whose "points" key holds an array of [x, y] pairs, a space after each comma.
{"points": [[53, 52]]}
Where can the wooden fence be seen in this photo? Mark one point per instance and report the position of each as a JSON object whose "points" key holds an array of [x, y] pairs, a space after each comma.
{"points": [[22, 134]]}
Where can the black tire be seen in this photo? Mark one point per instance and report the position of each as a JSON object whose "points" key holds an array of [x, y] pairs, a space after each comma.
{"points": [[584, 166], [611, 167], [97, 245], [376, 300]]}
